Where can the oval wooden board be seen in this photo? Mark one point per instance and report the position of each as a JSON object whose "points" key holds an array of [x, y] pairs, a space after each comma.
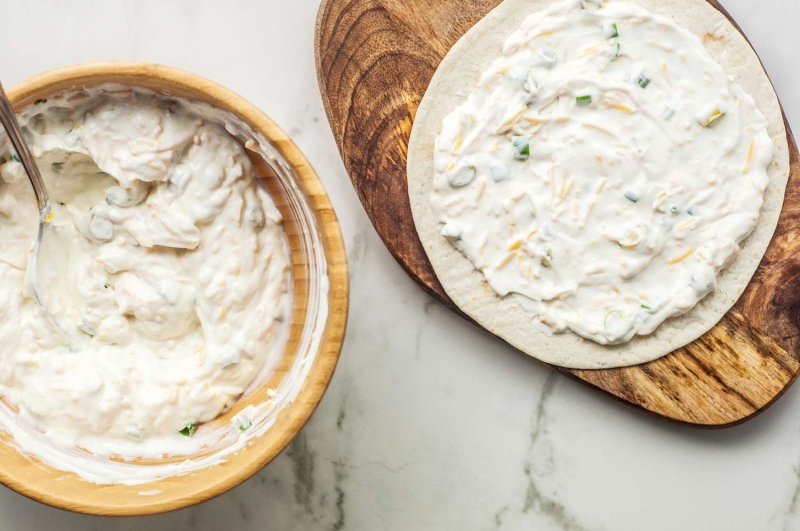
{"points": [[375, 59]]}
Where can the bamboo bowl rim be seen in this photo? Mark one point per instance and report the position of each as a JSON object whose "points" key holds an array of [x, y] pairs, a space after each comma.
{"points": [[66, 490]]}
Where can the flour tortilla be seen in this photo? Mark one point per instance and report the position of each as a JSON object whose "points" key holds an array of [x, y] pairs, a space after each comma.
{"points": [[503, 316]]}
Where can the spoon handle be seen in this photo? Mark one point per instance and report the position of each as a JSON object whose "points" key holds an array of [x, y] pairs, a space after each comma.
{"points": [[11, 125]]}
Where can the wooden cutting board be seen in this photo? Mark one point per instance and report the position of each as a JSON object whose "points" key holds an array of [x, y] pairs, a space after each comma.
{"points": [[375, 59]]}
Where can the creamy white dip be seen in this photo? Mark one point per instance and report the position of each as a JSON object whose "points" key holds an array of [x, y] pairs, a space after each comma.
{"points": [[167, 264], [604, 170]]}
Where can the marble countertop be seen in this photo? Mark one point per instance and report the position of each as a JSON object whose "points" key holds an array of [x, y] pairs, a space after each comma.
{"points": [[429, 423]]}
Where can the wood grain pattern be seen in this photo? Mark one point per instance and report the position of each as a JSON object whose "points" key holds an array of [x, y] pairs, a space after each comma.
{"points": [[375, 59], [67, 491]]}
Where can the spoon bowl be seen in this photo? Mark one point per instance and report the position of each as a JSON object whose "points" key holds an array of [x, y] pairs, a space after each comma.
{"points": [[14, 133]]}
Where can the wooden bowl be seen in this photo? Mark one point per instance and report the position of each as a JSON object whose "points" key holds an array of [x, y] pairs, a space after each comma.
{"points": [[317, 253]]}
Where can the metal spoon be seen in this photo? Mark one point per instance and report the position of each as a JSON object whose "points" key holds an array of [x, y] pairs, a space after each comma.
{"points": [[14, 132]]}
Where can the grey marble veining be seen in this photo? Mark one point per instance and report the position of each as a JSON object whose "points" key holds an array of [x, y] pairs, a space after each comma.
{"points": [[429, 423]]}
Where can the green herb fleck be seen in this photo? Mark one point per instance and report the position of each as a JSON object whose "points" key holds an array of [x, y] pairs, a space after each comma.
{"points": [[630, 195], [691, 211], [242, 422], [547, 258], [584, 99], [522, 147], [610, 29], [643, 81], [87, 329], [527, 82], [645, 307], [188, 429], [15, 157], [58, 166], [40, 102], [616, 51], [674, 210]]}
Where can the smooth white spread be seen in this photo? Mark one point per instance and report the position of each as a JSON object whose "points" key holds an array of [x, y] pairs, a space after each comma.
{"points": [[604, 170], [166, 261]]}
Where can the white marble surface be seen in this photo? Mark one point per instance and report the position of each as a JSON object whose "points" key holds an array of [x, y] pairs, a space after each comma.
{"points": [[429, 424]]}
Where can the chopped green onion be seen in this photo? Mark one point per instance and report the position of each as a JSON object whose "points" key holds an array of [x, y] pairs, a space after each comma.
{"points": [[229, 357], [451, 232], [528, 83], [674, 210], [500, 171], [58, 166], [691, 211], [87, 329], [522, 147], [242, 421], [135, 433], [548, 58], [15, 157], [643, 81], [631, 195], [462, 177], [546, 259], [39, 102], [610, 29], [614, 317], [645, 307], [188, 429], [616, 50], [583, 99]]}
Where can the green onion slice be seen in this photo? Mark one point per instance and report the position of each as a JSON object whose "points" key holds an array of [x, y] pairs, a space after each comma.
{"points": [[643, 81], [522, 147], [632, 195], [452, 232], [548, 58], [529, 83], [58, 166], [462, 177], [613, 319], [583, 99], [610, 29], [242, 421], [188, 429], [500, 171], [547, 258]]}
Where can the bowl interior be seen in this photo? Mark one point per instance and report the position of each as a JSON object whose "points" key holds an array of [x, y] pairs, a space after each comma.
{"points": [[320, 291]]}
